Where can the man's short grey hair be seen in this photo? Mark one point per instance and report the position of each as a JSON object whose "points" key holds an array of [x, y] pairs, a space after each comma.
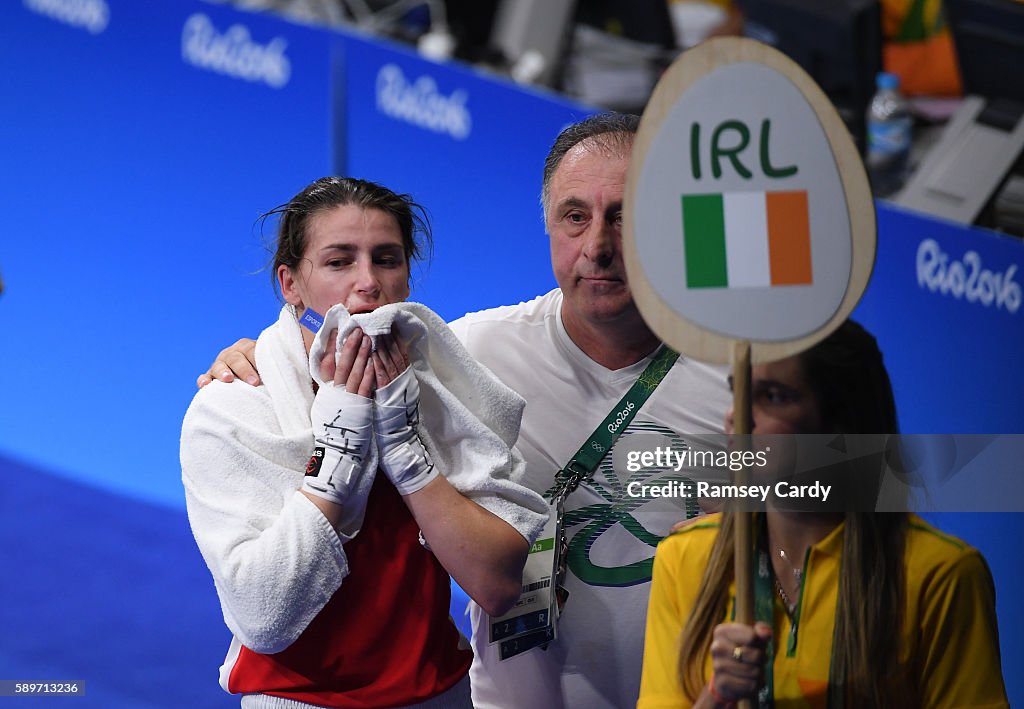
{"points": [[613, 132]]}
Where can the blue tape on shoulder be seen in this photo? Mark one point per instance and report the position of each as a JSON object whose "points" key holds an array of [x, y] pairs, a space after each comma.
{"points": [[312, 320]]}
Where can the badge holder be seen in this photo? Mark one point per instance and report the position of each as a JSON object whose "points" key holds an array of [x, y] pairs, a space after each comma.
{"points": [[533, 620]]}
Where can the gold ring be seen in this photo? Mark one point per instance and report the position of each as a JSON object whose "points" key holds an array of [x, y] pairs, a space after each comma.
{"points": [[737, 653]]}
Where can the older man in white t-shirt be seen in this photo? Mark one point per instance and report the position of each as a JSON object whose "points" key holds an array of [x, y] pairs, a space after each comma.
{"points": [[572, 354]]}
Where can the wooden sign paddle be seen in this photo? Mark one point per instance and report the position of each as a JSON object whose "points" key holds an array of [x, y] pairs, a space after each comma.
{"points": [[749, 228]]}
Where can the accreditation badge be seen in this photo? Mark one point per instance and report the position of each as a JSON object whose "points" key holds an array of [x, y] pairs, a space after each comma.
{"points": [[532, 622]]}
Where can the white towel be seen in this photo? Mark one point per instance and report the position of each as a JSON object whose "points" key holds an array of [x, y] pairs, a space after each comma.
{"points": [[275, 558], [469, 420]]}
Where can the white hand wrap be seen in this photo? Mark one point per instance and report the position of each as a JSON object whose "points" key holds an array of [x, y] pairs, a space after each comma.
{"points": [[342, 429], [396, 420]]}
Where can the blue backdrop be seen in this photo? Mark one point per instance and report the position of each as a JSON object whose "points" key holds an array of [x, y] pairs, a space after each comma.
{"points": [[944, 302], [131, 181]]}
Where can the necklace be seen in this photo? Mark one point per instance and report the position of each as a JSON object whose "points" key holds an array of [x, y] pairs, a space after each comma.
{"points": [[789, 605], [797, 573], [797, 576]]}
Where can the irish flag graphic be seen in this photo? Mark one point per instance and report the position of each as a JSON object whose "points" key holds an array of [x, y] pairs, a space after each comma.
{"points": [[746, 239]]}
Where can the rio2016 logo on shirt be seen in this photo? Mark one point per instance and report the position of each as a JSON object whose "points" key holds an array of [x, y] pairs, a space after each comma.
{"points": [[90, 15], [234, 53], [422, 104], [607, 514]]}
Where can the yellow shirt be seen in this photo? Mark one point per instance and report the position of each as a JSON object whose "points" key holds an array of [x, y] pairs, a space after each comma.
{"points": [[950, 649]]}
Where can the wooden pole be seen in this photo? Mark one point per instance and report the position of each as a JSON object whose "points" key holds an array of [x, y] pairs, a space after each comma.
{"points": [[743, 551]]}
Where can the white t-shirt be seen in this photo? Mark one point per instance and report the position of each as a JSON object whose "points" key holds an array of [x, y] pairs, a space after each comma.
{"points": [[596, 660]]}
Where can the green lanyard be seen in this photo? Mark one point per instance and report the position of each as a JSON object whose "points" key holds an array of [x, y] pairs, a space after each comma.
{"points": [[764, 610], [590, 454]]}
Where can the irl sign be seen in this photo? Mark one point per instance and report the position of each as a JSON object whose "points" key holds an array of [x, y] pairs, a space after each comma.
{"points": [[739, 221]]}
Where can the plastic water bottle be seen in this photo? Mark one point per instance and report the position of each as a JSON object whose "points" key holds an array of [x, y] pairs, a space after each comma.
{"points": [[889, 134]]}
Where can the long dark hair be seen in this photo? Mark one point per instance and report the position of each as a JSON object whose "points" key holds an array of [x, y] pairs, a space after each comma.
{"points": [[848, 376]]}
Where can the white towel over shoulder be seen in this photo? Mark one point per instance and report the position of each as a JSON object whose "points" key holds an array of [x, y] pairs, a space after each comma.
{"points": [[469, 420], [275, 558]]}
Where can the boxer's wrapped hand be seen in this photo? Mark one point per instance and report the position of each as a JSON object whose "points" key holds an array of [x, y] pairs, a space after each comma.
{"points": [[343, 431], [403, 458]]}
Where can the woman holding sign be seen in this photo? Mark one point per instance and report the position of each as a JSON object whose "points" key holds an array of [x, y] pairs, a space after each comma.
{"points": [[329, 513], [856, 609]]}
